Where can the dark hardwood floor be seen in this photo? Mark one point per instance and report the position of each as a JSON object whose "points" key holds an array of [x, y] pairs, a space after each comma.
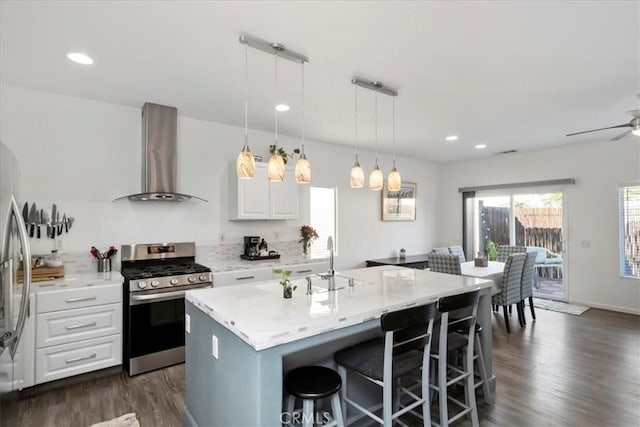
{"points": [[560, 370]]}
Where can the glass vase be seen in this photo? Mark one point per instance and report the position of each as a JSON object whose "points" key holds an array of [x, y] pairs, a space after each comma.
{"points": [[287, 292]]}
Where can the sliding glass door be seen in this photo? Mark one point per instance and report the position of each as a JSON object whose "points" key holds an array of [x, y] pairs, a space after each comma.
{"points": [[532, 219]]}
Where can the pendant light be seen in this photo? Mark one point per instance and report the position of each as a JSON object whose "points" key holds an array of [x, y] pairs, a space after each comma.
{"points": [[303, 167], [275, 169], [356, 177], [376, 178], [246, 164], [393, 180]]}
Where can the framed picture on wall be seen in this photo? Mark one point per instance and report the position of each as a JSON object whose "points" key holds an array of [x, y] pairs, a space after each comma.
{"points": [[399, 205]]}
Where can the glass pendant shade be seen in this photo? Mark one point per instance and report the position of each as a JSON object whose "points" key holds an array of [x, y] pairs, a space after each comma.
{"points": [[275, 169], [635, 130], [393, 180], [356, 177], [303, 170], [245, 164], [376, 179]]}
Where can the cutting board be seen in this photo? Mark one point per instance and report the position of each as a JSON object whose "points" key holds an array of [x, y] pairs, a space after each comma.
{"points": [[41, 274]]}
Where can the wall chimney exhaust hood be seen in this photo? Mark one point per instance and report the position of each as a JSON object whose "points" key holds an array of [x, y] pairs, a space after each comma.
{"points": [[159, 156]]}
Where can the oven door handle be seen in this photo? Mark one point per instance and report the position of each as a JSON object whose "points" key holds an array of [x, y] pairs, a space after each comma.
{"points": [[163, 296]]}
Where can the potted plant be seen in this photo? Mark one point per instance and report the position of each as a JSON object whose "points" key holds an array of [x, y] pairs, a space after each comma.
{"points": [[285, 156], [492, 251], [308, 234], [287, 287]]}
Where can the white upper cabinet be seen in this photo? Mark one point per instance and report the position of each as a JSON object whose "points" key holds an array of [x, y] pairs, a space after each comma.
{"points": [[258, 198]]}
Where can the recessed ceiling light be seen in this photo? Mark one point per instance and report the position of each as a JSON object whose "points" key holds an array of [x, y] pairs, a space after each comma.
{"points": [[80, 58], [481, 146], [452, 138], [282, 107]]}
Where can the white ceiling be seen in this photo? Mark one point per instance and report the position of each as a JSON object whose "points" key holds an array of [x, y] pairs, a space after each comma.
{"points": [[513, 75]]}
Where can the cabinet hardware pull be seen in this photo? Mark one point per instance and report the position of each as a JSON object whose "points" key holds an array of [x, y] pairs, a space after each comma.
{"points": [[304, 271], [245, 278], [83, 325], [80, 299], [78, 359]]}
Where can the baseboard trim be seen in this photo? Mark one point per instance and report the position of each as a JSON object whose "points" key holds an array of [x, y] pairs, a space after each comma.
{"points": [[606, 307]]}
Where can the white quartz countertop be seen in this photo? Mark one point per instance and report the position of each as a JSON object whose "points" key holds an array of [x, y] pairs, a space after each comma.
{"points": [[260, 316], [78, 280], [238, 264]]}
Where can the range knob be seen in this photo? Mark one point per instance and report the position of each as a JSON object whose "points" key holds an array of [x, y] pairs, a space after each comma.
{"points": [[155, 283], [142, 285], [203, 278], [173, 281], [191, 279]]}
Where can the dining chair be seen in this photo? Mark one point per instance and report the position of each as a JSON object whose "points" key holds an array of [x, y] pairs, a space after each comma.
{"points": [[443, 250], [444, 263], [526, 284], [510, 291], [505, 250], [403, 351], [459, 252]]}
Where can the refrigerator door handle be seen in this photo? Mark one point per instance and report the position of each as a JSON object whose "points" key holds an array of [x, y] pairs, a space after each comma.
{"points": [[26, 266]]}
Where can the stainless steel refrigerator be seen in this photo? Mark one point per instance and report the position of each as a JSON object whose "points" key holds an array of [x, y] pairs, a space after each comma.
{"points": [[15, 254]]}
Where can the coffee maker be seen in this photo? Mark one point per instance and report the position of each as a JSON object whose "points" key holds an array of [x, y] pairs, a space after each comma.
{"points": [[251, 244]]}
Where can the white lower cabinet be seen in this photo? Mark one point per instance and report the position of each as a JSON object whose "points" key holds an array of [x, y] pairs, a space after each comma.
{"points": [[242, 276], [77, 330], [61, 361]]}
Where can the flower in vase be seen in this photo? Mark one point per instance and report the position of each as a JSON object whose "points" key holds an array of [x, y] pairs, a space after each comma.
{"points": [[308, 234]]}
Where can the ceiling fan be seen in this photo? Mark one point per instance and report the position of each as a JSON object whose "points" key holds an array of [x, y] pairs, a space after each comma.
{"points": [[634, 124]]}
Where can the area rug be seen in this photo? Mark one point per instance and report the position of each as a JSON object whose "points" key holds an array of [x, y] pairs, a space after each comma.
{"points": [[126, 420], [562, 307]]}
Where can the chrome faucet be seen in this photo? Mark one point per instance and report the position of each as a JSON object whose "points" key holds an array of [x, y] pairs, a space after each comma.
{"points": [[330, 249], [331, 274]]}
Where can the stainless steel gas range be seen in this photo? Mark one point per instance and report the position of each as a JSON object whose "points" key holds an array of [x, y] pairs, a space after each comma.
{"points": [[157, 275]]}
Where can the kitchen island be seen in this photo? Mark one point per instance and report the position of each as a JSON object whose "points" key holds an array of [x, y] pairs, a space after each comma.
{"points": [[242, 339]]}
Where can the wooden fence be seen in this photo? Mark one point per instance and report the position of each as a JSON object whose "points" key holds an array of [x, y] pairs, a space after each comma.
{"points": [[534, 226]]}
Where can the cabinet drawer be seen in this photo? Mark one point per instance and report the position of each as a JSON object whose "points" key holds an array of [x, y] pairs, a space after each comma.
{"points": [[239, 277], [307, 269], [61, 327], [64, 299], [65, 360]]}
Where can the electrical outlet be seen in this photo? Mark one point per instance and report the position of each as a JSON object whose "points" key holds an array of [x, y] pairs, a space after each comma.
{"points": [[586, 244], [277, 235], [187, 323], [221, 237], [214, 346], [59, 244]]}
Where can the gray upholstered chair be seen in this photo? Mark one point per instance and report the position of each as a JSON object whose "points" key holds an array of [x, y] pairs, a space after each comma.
{"points": [[505, 250], [444, 263], [440, 251], [403, 351], [459, 252], [526, 284], [510, 291]]}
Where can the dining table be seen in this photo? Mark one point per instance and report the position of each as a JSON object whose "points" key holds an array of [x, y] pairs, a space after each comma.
{"points": [[492, 271]]}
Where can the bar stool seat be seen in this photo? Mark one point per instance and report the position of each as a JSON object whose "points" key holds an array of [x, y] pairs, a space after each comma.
{"points": [[311, 383]]}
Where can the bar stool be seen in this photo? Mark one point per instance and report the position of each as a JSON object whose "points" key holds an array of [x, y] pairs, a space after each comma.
{"points": [[311, 383], [403, 352], [446, 342], [480, 379]]}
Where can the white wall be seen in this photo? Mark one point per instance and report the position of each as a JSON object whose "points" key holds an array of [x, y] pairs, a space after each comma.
{"points": [[82, 154], [598, 168]]}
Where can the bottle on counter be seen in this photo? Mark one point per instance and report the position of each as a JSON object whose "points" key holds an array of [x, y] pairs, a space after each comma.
{"points": [[263, 248], [54, 259]]}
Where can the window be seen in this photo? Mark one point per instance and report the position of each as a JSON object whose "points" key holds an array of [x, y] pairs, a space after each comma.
{"points": [[629, 219], [323, 209]]}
